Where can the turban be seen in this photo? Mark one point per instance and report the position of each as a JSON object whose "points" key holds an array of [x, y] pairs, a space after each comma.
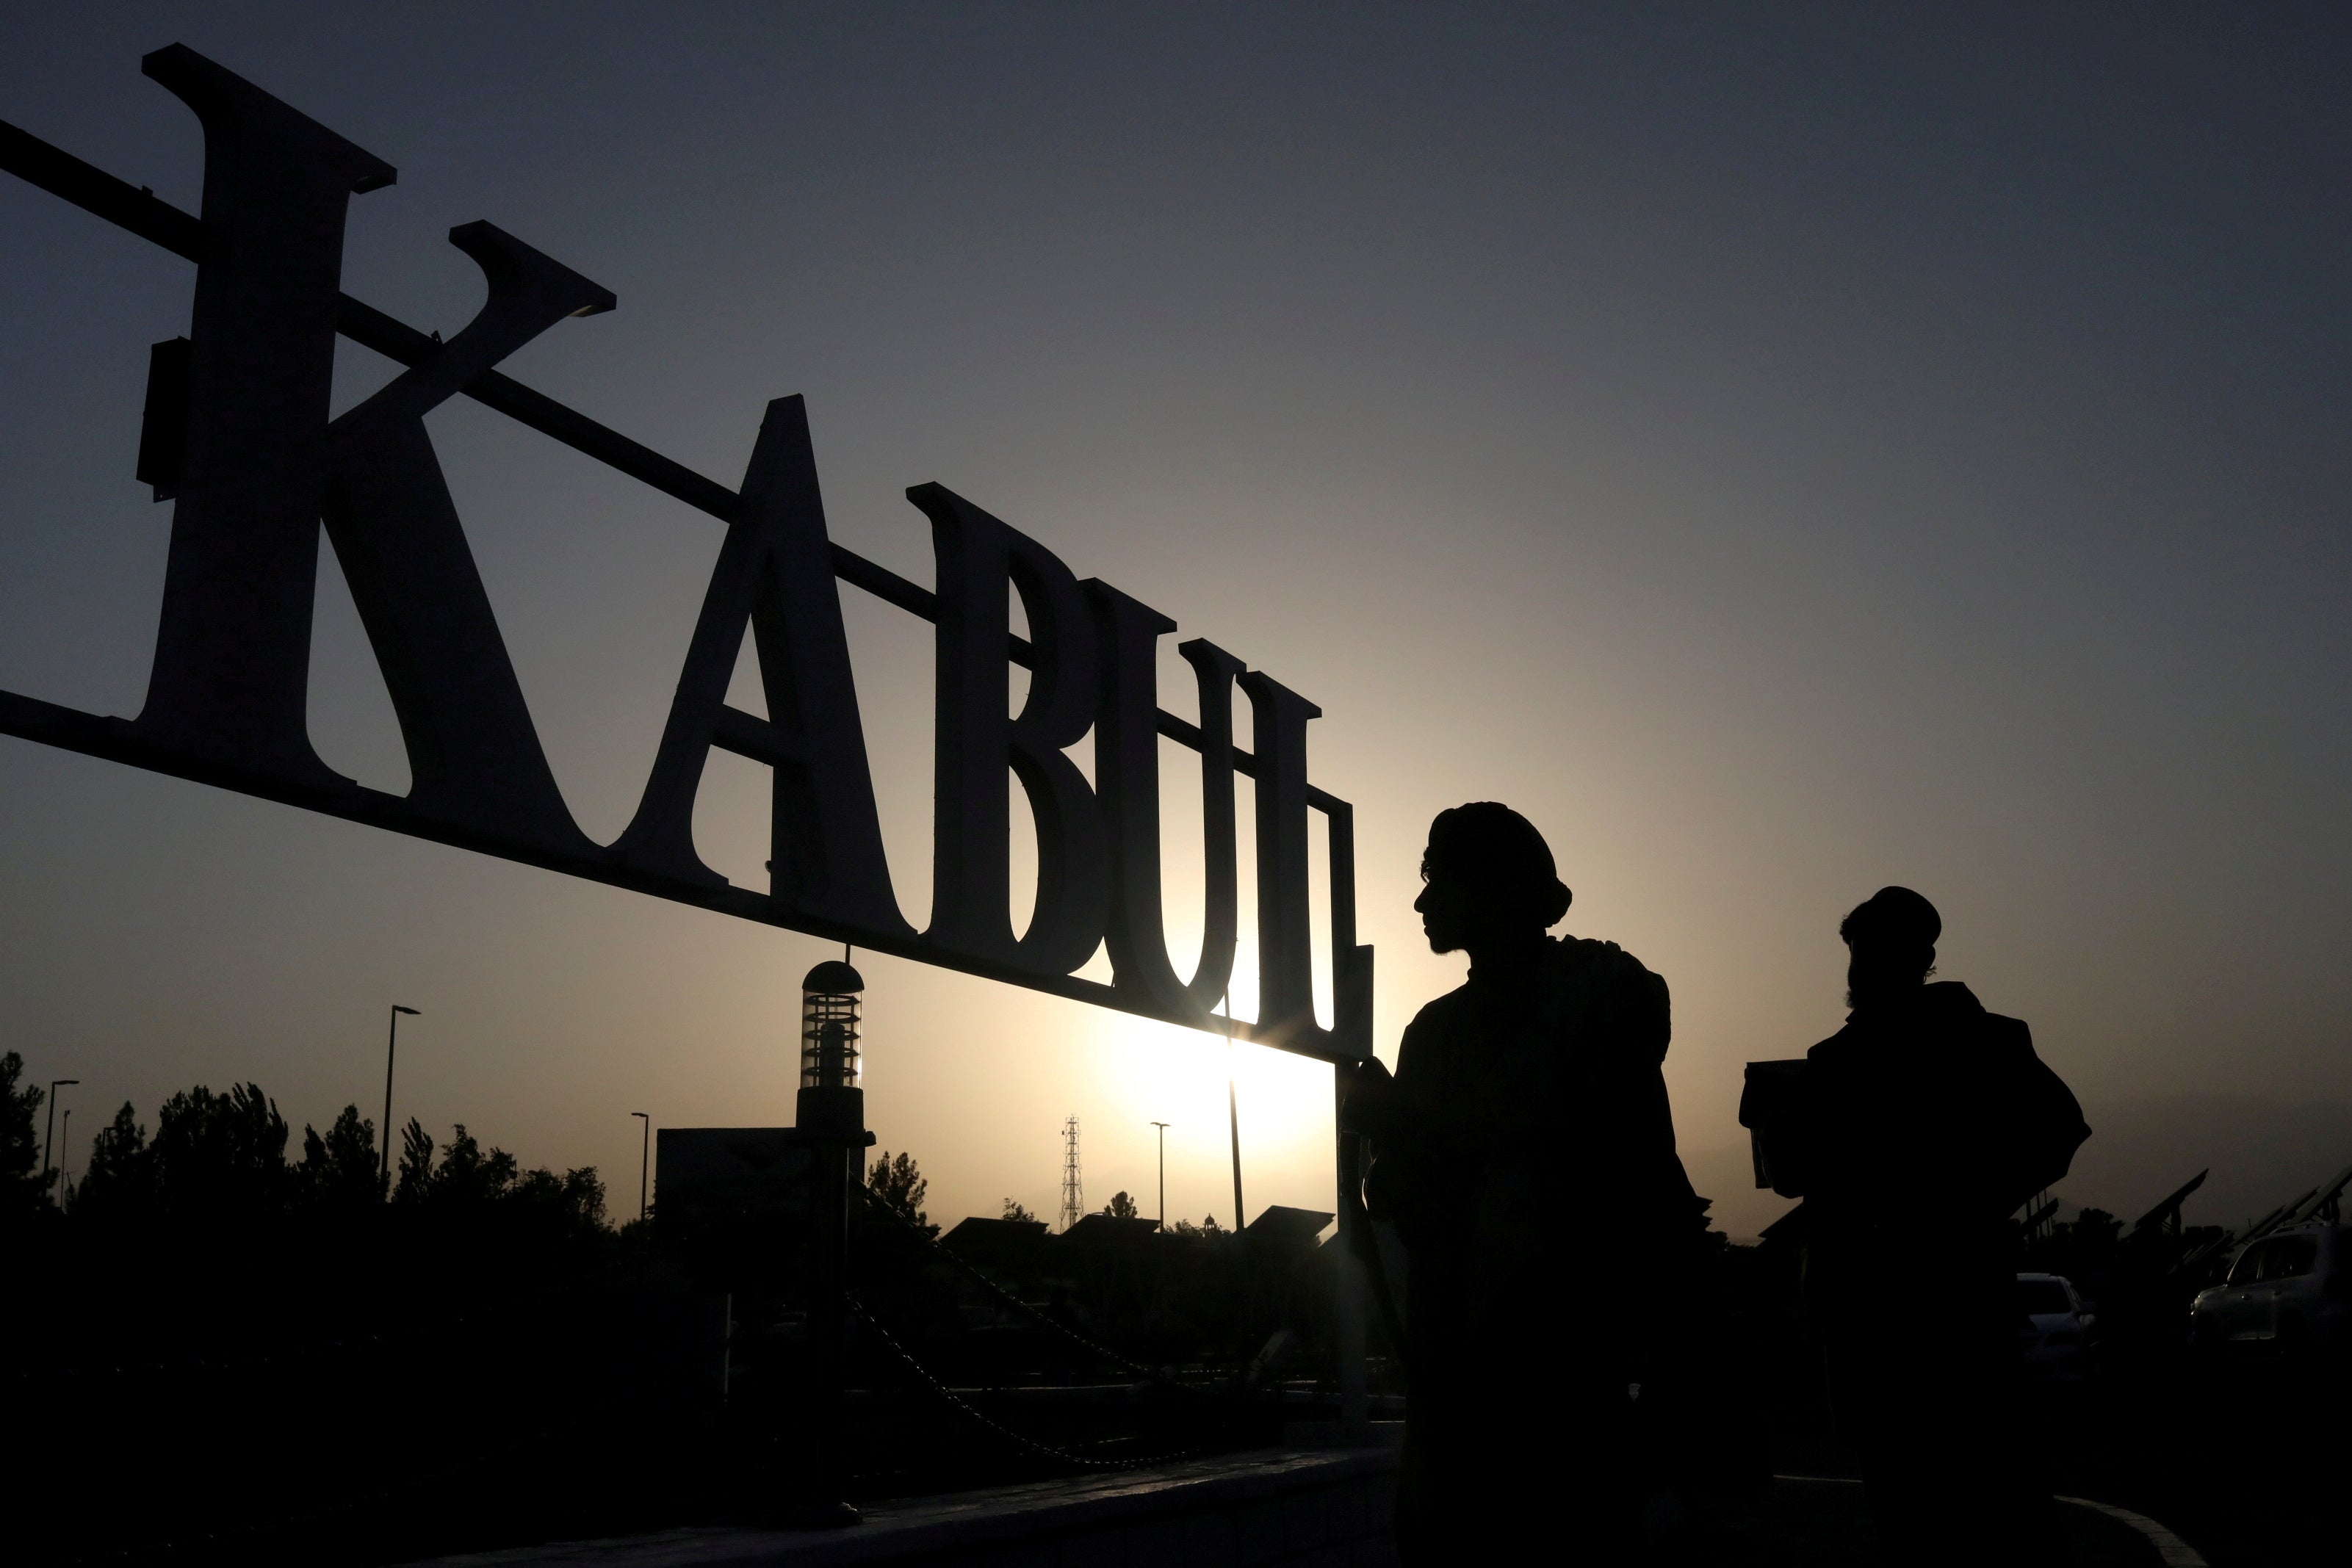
{"points": [[1893, 919], [1488, 844]]}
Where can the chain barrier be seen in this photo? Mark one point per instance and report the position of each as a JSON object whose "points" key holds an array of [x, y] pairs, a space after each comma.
{"points": [[1152, 1375], [1019, 1439]]}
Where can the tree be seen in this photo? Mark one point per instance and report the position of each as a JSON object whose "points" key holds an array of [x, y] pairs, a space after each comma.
{"points": [[416, 1163], [899, 1186], [21, 1185], [2085, 1249], [1120, 1206], [469, 1181], [219, 1154], [122, 1174], [1208, 1227], [339, 1169], [1020, 1211], [574, 1200], [467, 1175]]}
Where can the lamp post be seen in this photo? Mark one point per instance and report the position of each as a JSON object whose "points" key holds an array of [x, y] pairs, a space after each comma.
{"points": [[49, 1125], [832, 1123], [390, 1045], [1233, 1123], [644, 1156], [1162, 1222], [1234, 1113], [65, 1171]]}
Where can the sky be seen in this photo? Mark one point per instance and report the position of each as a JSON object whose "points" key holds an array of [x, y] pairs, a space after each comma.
{"points": [[1782, 451]]}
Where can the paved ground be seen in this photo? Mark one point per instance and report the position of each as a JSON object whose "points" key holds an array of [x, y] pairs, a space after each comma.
{"points": [[1279, 1509], [1270, 1508], [1807, 1523]]}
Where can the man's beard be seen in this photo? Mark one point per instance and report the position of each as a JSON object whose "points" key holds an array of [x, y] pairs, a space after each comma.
{"points": [[1886, 992]]}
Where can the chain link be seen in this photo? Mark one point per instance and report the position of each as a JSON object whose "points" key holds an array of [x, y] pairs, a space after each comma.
{"points": [[1020, 1439], [1153, 1375]]}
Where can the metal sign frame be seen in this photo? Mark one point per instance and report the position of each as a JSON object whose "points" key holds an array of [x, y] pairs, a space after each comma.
{"points": [[236, 433]]}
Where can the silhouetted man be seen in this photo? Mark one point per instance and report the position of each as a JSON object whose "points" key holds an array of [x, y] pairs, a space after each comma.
{"points": [[1919, 1128], [1524, 1152]]}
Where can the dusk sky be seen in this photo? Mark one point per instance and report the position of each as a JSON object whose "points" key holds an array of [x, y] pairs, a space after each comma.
{"points": [[1782, 451]]}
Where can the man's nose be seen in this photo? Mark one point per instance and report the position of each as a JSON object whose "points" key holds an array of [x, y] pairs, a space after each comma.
{"points": [[1420, 905]]}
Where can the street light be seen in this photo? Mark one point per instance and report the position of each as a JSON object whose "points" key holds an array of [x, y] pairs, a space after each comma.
{"points": [[829, 1034], [390, 1045], [1234, 1112], [644, 1154], [1163, 1173], [831, 1124], [50, 1126], [65, 1171]]}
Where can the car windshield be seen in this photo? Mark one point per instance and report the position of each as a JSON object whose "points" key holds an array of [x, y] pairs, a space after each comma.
{"points": [[2289, 1257], [2039, 1296], [2282, 1258]]}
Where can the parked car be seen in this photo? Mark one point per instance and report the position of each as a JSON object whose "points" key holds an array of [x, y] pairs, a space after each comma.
{"points": [[2291, 1290], [2057, 1327]]}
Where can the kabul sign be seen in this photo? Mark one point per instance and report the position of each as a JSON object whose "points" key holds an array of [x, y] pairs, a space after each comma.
{"points": [[236, 434]]}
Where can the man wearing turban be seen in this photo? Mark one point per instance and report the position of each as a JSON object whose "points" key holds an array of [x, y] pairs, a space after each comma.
{"points": [[1917, 1130], [1524, 1152]]}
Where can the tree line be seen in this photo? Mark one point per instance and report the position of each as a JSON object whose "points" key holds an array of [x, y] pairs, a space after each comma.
{"points": [[226, 1154]]}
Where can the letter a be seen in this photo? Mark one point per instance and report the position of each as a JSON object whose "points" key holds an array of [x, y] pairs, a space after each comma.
{"points": [[775, 574]]}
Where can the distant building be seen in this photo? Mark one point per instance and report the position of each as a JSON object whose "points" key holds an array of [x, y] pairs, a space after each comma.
{"points": [[1277, 1225], [996, 1243], [732, 1203], [1106, 1229]]}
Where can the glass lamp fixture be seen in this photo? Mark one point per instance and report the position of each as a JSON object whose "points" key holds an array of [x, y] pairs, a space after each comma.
{"points": [[829, 1027], [832, 1103]]}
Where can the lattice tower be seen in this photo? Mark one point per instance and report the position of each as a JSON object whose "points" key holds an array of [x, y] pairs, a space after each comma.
{"points": [[1074, 1192]]}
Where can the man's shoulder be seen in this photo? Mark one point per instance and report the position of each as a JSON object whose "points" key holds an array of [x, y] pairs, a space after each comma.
{"points": [[1592, 953], [2003, 1024], [1437, 1020], [1436, 1012], [1603, 966], [1956, 1007], [1839, 1049], [1946, 1016]]}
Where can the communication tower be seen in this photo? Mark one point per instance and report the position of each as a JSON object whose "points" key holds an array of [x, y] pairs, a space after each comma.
{"points": [[1074, 1195]]}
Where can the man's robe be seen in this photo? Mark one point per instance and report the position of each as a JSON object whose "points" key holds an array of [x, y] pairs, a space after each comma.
{"points": [[1921, 1126], [1526, 1158]]}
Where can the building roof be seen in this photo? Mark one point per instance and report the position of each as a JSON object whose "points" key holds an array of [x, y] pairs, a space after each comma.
{"points": [[978, 1235], [1276, 1222], [1092, 1228]]}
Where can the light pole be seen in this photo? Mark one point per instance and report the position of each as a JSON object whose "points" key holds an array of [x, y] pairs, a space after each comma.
{"points": [[832, 1123], [1163, 1173], [1233, 1120], [390, 1045], [65, 1171], [50, 1126], [1234, 1113], [644, 1154]]}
